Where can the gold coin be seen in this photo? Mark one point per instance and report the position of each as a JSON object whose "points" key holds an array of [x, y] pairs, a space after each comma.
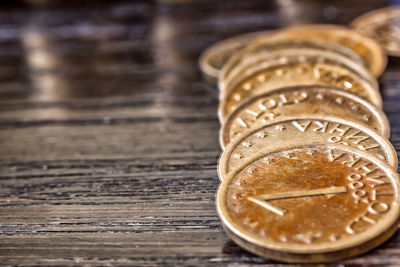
{"points": [[311, 68], [368, 49], [300, 130], [213, 59], [256, 53], [315, 203], [383, 26], [306, 100]]}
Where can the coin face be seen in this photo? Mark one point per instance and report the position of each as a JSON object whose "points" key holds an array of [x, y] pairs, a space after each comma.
{"points": [[366, 47], [302, 130], [304, 100], [315, 203], [382, 25], [213, 59], [292, 70], [256, 53]]}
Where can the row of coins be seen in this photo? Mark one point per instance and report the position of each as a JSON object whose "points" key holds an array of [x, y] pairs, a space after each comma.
{"points": [[307, 172]]}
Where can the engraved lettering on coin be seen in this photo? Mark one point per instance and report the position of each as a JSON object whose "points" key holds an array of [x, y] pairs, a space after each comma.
{"points": [[333, 199], [286, 102], [328, 75], [304, 129]]}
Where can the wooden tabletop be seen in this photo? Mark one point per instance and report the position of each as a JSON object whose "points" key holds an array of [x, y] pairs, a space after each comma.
{"points": [[109, 135]]}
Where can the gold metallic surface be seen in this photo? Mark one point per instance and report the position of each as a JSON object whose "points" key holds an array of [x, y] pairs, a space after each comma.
{"points": [[305, 100], [213, 59], [311, 68], [368, 49], [383, 26], [258, 53], [300, 130], [315, 203]]}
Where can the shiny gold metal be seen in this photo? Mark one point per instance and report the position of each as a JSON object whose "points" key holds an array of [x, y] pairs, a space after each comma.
{"points": [[381, 25], [295, 67], [301, 130], [213, 59], [370, 50], [314, 203], [301, 100], [258, 53]]}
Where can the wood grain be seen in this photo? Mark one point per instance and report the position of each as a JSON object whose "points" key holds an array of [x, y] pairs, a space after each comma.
{"points": [[109, 136]]}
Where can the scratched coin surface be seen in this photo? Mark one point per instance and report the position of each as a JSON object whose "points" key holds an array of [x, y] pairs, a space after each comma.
{"points": [[293, 70], [305, 100], [213, 59], [368, 49], [300, 130], [382, 25], [259, 52], [315, 203]]}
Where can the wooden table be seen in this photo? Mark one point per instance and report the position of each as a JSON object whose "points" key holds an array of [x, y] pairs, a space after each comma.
{"points": [[109, 136]]}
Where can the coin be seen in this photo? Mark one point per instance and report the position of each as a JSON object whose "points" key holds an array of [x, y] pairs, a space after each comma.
{"points": [[256, 53], [304, 129], [304, 100], [212, 60], [315, 203], [370, 50], [383, 26], [311, 68]]}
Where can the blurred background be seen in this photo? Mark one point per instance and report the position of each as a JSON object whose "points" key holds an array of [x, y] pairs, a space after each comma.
{"points": [[54, 49]]}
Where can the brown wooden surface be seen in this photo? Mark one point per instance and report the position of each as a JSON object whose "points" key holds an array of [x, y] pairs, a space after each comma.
{"points": [[109, 136]]}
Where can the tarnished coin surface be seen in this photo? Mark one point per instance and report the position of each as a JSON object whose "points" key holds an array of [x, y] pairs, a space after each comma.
{"points": [[372, 53], [306, 100], [257, 53], [292, 70], [213, 59], [382, 25], [316, 203], [301, 130]]}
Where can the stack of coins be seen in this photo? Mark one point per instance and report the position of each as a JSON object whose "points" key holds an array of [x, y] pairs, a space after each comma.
{"points": [[307, 172]]}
